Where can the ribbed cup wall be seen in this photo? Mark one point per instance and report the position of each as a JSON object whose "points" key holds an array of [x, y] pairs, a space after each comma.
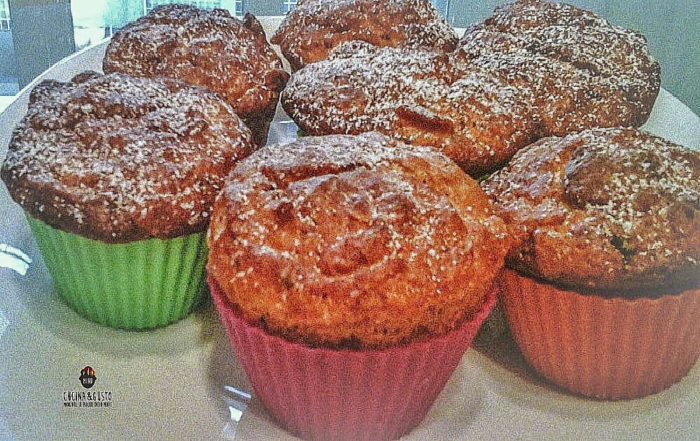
{"points": [[136, 285], [325, 394], [608, 348]]}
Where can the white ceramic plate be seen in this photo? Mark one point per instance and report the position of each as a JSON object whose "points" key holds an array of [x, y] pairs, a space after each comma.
{"points": [[169, 383]]}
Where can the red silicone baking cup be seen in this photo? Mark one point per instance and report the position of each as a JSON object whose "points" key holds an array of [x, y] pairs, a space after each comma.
{"points": [[608, 348], [326, 394]]}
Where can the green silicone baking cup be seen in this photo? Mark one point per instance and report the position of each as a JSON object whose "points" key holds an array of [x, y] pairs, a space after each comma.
{"points": [[136, 285]]}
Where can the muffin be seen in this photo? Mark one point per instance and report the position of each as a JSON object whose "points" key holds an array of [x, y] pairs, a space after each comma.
{"points": [[532, 70], [416, 95], [345, 268], [602, 291], [206, 48], [583, 71], [309, 31], [117, 176]]}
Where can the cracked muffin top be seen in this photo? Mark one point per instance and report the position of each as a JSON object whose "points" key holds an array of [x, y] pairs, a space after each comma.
{"points": [[354, 241], [533, 69], [311, 30], [208, 48], [606, 209], [117, 158]]}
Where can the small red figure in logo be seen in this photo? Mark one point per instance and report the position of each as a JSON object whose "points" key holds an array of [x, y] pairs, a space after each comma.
{"points": [[87, 377]]}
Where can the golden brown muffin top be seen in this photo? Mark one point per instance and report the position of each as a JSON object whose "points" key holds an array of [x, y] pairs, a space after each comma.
{"points": [[417, 96], [498, 92], [570, 54], [314, 27], [607, 209], [354, 241], [117, 158], [202, 47]]}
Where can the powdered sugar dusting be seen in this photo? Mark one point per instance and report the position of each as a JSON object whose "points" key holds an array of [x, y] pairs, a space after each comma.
{"points": [[338, 230], [315, 27], [117, 158], [515, 78], [629, 200], [209, 48]]}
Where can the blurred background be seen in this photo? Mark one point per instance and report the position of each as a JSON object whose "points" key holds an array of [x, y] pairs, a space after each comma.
{"points": [[34, 34]]}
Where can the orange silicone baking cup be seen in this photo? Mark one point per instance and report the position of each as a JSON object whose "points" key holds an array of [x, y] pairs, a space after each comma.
{"points": [[608, 348]]}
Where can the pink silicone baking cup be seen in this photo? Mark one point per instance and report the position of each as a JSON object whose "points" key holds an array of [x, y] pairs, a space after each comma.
{"points": [[326, 394], [608, 348]]}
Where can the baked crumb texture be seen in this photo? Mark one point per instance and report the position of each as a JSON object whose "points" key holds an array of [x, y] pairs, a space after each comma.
{"points": [[354, 241], [607, 209], [533, 69], [118, 158], [309, 32], [206, 48]]}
